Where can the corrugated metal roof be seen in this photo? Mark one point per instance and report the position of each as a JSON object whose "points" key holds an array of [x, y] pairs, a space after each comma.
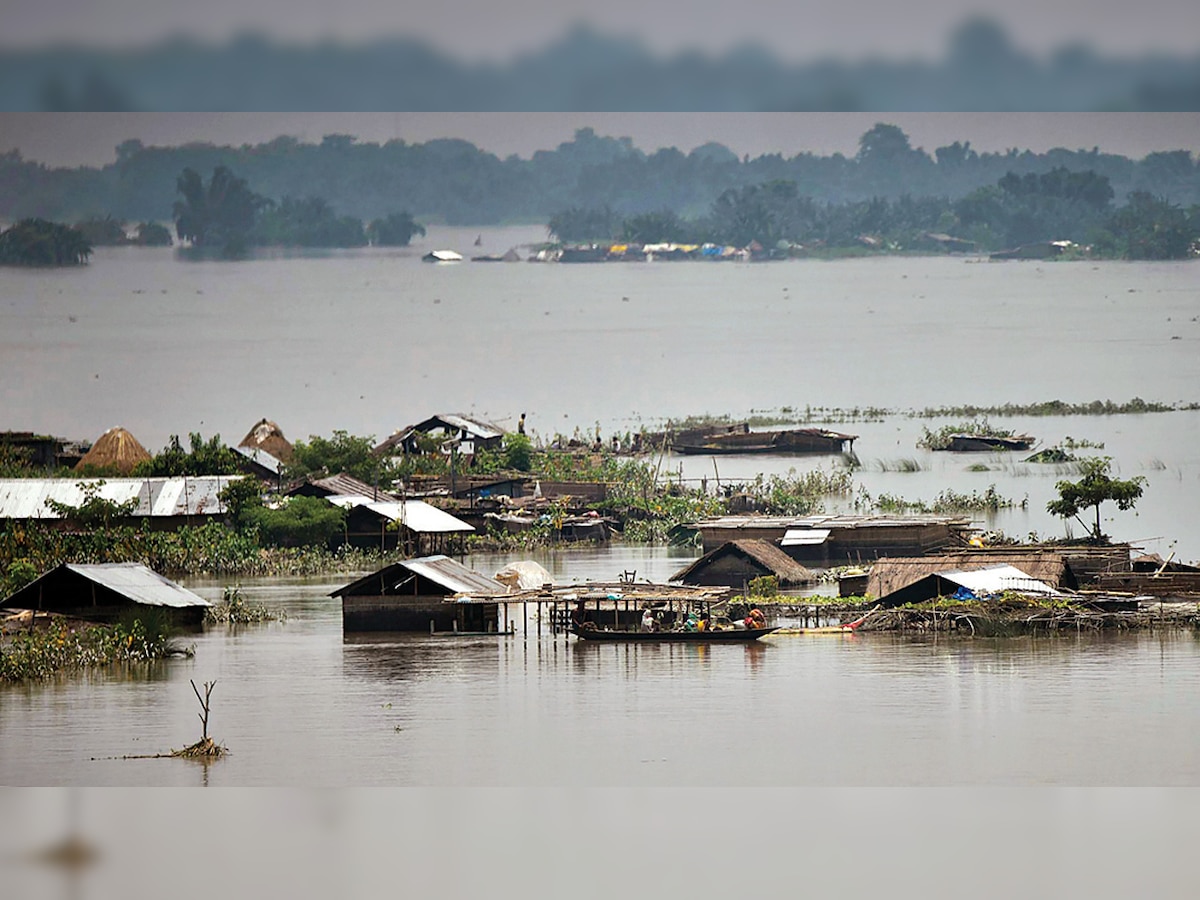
{"points": [[996, 579], [802, 537], [453, 575], [25, 498], [262, 458], [347, 485], [828, 521], [415, 515], [138, 583]]}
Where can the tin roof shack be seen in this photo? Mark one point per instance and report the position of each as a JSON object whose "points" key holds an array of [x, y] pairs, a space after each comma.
{"points": [[736, 563], [825, 540], [165, 503], [106, 592], [978, 582], [888, 576], [419, 595], [1151, 574], [471, 435], [340, 485], [413, 526], [262, 465], [42, 451]]}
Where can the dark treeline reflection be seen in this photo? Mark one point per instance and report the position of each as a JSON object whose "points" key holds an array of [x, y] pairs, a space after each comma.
{"points": [[586, 69]]}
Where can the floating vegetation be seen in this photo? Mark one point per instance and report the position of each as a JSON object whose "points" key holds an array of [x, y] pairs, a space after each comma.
{"points": [[979, 467], [1071, 443], [236, 610], [35, 653], [948, 502], [907, 464], [1055, 408], [1051, 455]]}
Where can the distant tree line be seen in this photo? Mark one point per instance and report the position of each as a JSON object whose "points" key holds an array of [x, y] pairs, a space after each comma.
{"points": [[226, 215], [1017, 210], [455, 182]]}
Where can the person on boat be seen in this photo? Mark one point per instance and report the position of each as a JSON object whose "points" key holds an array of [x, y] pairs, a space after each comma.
{"points": [[756, 619], [647, 620]]}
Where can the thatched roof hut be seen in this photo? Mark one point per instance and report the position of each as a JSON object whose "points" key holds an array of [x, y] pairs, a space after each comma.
{"points": [[736, 563], [116, 449], [891, 574], [268, 437]]}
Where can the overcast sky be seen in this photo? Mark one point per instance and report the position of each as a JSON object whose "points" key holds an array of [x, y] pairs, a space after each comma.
{"points": [[793, 29], [71, 139]]}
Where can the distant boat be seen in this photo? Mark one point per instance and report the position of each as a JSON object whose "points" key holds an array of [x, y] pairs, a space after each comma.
{"points": [[479, 241], [739, 439], [441, 256]]}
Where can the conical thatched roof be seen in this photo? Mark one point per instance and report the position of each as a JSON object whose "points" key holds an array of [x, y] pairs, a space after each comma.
{"points": [[115, 449], [268, 437]]}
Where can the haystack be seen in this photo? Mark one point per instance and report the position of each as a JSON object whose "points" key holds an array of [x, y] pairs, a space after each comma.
{"points": [[268, 437], [115, 449]]}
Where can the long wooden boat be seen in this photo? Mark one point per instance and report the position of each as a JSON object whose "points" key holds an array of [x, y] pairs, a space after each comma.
{"points": [[743, 634], [796, 440]]}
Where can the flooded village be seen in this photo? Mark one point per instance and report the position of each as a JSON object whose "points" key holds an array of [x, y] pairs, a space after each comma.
{"points": [[80, 549]]}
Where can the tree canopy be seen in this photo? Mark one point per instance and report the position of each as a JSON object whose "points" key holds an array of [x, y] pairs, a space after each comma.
{"points": [[1096, 487]]}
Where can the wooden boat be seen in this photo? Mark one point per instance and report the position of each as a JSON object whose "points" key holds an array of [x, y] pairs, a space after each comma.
{"points": [[739, 439], [706, 637]]}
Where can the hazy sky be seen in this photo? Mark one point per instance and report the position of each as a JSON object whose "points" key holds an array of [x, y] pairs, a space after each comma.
{"points": [[793, 29], [70, 139]]}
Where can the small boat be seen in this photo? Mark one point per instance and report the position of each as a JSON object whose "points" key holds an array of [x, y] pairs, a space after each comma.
{"points": [[705, 637], [441, 256], [740, 439]]}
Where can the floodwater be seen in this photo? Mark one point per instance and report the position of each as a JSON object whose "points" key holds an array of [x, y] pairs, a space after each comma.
{"points": [[369, 341], [299, 704]]}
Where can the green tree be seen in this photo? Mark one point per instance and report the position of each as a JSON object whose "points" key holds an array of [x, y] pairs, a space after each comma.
{"points": [[1094, 488], [152, 234], [221, 215], [518, 452], [241, 498], [209, 457], [396, 230], [341, 452], [37, 242], [1148, 227], [95, 511], [103, 231], [298, 522], [307, 222]]}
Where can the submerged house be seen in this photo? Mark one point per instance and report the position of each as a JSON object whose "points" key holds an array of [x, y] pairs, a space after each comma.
{"points": [[108, 592], [412, 526], [420, 595], [889, 576], [830, 540], [971, 583], [736, 563]]}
